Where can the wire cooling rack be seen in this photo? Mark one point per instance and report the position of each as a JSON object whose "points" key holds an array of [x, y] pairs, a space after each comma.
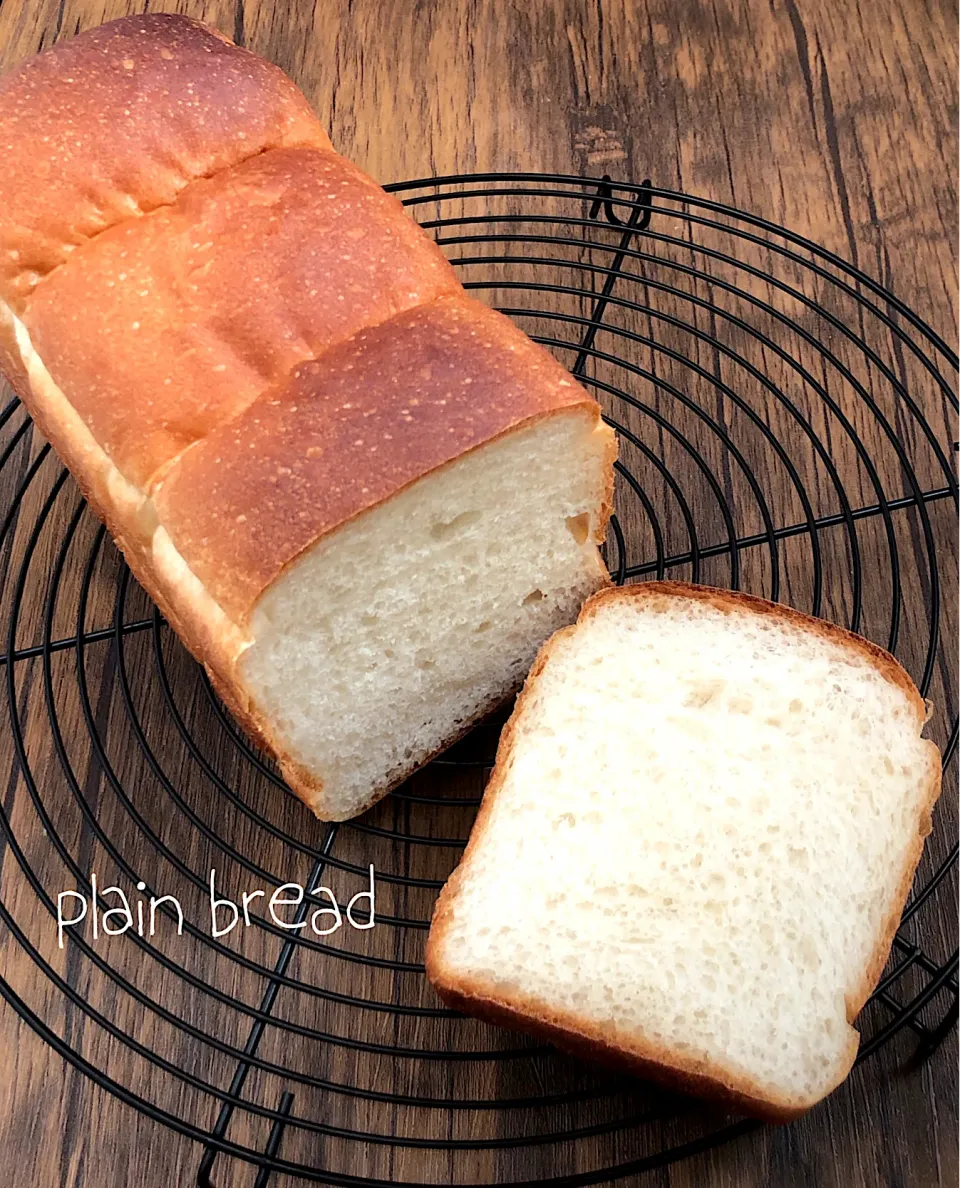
{"points": [[785, 426]]}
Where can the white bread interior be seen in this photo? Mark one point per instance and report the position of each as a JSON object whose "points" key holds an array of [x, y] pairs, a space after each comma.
{"points": [[398, 631], [696, 845]]}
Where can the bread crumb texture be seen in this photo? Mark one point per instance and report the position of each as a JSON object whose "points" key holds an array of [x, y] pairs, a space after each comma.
{"points": [[695, 841], [405, 626]]}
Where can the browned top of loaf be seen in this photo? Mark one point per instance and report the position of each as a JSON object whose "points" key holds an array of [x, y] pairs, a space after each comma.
{"points": [[164, 326], [348, 431], [117, 121]]}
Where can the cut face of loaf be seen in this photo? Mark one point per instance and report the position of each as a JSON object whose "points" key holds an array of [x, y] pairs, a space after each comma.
{"points": [[361, 498], [385, 642], [695, 847]]}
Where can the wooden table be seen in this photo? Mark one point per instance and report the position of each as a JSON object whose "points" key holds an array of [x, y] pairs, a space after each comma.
{"points": [[835, 119]]}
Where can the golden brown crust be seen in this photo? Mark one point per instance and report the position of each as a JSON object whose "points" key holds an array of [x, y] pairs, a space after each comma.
{"points": [[655, 1063], [204, 303], [580, 1036], [132, 543], [118, 121], [347, 432]]}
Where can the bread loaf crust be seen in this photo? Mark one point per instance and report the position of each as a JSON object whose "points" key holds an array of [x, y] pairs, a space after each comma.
{"points": [[117, 122], [165, 141], [195, 316], [580, 1036]]}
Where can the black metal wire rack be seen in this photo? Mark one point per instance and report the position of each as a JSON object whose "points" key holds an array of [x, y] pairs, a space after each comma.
{"points": [[786, 427]]}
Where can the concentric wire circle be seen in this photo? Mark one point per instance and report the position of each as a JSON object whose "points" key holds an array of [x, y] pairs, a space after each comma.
{"points": [[785, 427]]}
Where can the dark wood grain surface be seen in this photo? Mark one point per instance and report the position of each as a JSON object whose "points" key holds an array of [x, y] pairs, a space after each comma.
{"points": [[835, 119]]}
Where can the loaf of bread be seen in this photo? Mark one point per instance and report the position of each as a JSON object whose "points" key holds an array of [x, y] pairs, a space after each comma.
{"points": [[695, 847], [362, 499]]}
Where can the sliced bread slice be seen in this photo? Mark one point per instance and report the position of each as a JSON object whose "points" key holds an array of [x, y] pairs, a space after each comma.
{"points": [[695, 847]]}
